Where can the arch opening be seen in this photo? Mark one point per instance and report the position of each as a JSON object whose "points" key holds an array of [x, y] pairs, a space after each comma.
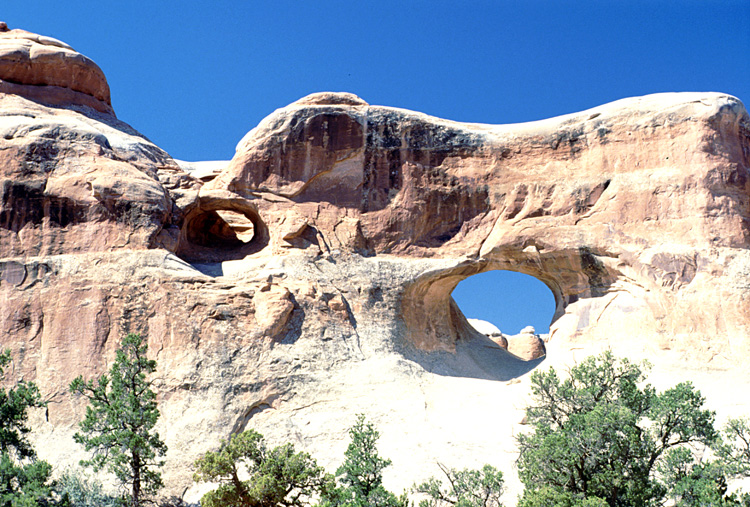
{"points": [[221, 229], [215, 233], [513, 309]]}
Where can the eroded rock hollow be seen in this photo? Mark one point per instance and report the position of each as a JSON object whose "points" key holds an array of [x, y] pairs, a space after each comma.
{"points": [[309, 278]]}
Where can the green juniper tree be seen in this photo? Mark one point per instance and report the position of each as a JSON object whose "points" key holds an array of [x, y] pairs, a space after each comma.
{"points": [[466, 488], [601, 435], [692, 482], [120, 420], [24, 479], [361, 474], [546, 496], [735, 449], [278, 477]]}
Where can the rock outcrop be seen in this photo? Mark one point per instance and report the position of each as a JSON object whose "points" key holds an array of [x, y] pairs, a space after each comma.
{"points": [[310, 278], [47, 70], [526, 345]]}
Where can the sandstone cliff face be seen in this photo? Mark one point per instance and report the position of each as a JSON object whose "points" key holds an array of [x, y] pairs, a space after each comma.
{"points": [[617, 204], [309, 278]]}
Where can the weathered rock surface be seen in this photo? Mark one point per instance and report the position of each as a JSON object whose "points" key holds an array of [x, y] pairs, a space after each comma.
{"points": [[309, 278], [45, 69], [527, 346]]}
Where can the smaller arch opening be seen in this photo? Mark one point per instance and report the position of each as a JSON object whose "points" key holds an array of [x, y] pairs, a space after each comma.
{"points": [[221, 228], [217, 233]]}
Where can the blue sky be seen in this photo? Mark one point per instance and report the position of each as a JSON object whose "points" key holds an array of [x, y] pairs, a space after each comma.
{"points": [[194, 77]]}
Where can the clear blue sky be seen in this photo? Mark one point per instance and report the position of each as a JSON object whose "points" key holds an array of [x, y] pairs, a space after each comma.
{"points": [[195, 76]]}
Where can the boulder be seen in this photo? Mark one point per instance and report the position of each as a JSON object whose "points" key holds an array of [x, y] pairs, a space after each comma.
{"points": [[526, 346], [490, 331]]}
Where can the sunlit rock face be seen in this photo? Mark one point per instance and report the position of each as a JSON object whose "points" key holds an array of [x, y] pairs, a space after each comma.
{"points": [[48, 70], [309, 278]]}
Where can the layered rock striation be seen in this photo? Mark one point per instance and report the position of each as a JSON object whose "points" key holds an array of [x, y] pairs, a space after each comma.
{"points": [[50, 71], [309, 278]]}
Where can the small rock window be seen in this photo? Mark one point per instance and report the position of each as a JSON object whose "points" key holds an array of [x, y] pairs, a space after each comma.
{"points": [[221, 229], [214, 235]]}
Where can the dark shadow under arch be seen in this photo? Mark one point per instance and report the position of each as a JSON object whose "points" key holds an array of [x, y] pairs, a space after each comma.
{"points": [[220, 230]]}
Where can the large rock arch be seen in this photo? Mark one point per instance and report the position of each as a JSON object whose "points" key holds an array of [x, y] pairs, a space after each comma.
{"points": [[636, 197]]}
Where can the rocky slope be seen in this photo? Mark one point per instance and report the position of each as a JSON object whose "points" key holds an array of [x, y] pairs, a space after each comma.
{"points": [[309, 278]]}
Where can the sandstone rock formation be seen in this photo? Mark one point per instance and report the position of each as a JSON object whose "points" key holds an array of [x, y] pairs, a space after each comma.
{"points": [[309, 278], [50, 71], [526, 345]]}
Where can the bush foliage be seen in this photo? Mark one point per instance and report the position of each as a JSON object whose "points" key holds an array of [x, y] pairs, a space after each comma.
{"points": [[466, 488], [603, 436], [277, 477]]}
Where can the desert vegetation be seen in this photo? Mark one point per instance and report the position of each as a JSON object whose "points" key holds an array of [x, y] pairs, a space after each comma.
{"points": [[119, 425], [25, 480], [598, 437], [603, 437]]}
